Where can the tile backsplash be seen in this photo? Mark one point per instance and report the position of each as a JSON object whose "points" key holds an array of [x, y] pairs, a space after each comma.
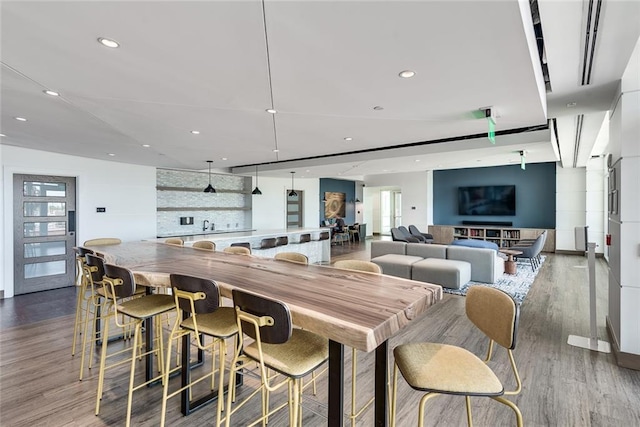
{"points": [[180, 194]]}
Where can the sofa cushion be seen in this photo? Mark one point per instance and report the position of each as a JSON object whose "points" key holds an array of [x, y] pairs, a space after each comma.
{"points": [[474, 243], [383, 247], [486, 265], [445, 272], [427, 251], [395, 264]]}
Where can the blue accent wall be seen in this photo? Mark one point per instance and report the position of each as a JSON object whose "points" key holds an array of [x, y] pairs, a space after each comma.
{"points": [[535, 194], [340, 186]]}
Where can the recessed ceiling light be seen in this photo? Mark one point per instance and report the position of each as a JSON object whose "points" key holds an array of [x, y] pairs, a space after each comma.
{"points": [[146, 145], [571, 104], [348, 138], [305, 171], [439, 166], [224, 158], [275, 150], [21, 119], [385, 170], [407, 74], [2, 134], [111, 154], [52, 93], [271, 111], [108, 42], [195, 132], [378, 108], [417, 160]]}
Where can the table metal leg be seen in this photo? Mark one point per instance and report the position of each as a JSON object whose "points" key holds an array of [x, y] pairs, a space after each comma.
{"points": [[336, 383], [381, 415]]}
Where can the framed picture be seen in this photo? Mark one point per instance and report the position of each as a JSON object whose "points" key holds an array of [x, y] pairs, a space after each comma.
{"points": [[334, 205]]}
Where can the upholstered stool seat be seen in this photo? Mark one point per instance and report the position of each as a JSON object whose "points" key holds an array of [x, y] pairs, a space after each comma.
{"points": [[221, 323], [446, 272], [396, 265], [422, 365]]}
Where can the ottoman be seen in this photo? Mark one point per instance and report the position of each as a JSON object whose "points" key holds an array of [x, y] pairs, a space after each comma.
{"points": [[446, 272], [396, 264]]}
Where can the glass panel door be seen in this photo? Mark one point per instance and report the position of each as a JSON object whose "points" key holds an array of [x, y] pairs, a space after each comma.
{"points": [[294, 210], [385, 213], [397, 209], [44, 232]]}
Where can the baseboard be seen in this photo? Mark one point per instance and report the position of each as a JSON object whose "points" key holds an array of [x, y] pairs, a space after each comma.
{"points": [[581, 253], [626, 360]]}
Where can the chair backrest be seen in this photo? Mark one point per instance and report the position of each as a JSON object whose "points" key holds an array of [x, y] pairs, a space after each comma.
{"points": [[406, 234], [243, 244], [205, 244], [176, 241], [238, 250], [267, 243], [397, 235], [208, 288], [495, 313], [81, 252], [413, 230], [276, 333], [121, 278], [359, 265], [282, 240], [324, 235], [304, 238], [103, 241], [95, 266], [292, 257]]}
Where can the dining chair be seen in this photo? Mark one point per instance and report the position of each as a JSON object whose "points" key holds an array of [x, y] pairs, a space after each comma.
{"points": [[341, 235], [198, 312], [276, 346], [205, 244], [83, 294], [294, 257], [175, 241], [354, 231], [119, 285], [238, 250], [369, 267], [427, 367]]}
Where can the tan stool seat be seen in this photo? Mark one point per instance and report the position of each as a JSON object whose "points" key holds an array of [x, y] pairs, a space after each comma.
{"points": [[150, 305], [221, 323], [446, 368], [303, 353]]}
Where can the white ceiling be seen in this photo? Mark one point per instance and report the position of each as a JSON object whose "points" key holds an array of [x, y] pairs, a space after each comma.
{"points": [[204, 66]]}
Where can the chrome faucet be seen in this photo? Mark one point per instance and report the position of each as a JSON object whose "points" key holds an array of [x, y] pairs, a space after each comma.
{"points": [[204, 225]]}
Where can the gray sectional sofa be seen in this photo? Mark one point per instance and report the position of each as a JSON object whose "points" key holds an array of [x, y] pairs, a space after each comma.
{"points": [[446, 265]]}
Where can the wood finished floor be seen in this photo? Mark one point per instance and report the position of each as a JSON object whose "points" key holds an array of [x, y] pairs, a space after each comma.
{"points": [[562, 385]]}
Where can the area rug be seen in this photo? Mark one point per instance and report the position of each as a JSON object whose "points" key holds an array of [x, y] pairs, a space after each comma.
{"points": [[516, 285]]}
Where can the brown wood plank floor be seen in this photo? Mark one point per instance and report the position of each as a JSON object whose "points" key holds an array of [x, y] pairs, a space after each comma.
{"points": [[562, 385]]}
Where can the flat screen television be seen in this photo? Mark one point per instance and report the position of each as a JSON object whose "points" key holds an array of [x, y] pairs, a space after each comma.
{"points": [[487, 200]]}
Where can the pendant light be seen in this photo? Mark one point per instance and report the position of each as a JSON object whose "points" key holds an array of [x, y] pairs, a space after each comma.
{"points": [[256, 191], [292, 193], [209, 188]]}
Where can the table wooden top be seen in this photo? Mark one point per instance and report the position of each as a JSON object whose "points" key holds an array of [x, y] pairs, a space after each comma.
{"points": [[361, 310]]}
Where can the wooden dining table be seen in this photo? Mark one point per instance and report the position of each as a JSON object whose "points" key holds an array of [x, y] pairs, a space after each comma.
{"points": [[356, 309]]}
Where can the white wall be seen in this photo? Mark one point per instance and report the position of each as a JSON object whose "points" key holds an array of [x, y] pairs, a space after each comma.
{"points": [[571, 205], [270, 209], [128, 192], [595, 194], [417, 195]]}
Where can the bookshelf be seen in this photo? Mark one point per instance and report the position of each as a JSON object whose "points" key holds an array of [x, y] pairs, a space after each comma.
{"points": [[503, 237]]}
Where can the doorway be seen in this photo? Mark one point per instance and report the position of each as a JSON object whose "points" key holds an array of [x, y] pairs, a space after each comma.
{"points": [[390, 210], [294, 210], [44, 232]]}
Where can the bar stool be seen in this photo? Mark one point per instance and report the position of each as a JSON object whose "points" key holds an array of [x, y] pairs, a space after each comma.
{"points": [[205, 244], [238, 250], [274, 345], [94, 272], [83, 294], [304, 238], [324, 235], [176, 241], [267, 243], [282, 240], [294, 257], [198, 311], [119, 284]]}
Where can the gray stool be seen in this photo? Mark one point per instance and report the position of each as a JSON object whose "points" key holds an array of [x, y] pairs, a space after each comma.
{"points": [[446, 272], [396, 265]]}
